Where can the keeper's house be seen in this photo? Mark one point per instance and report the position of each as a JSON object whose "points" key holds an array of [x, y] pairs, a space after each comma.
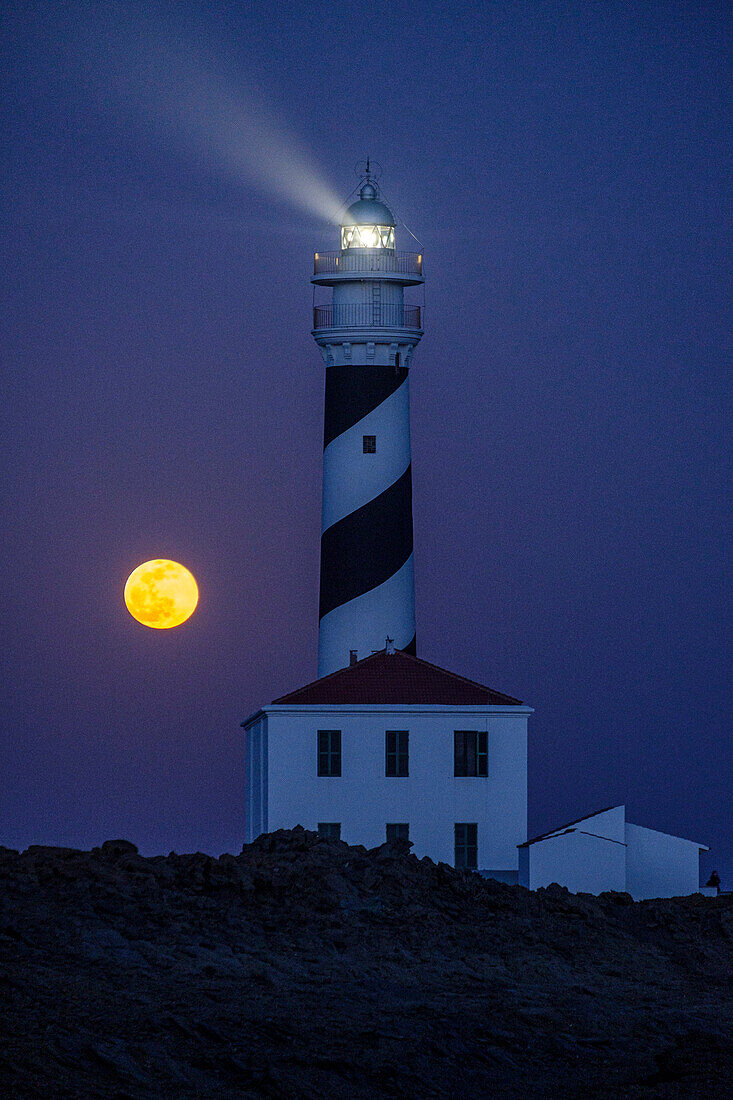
{"points": [[393, 746]]}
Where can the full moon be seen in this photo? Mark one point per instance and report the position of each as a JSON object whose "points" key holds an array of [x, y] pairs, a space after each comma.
{"points": [[161, 593]]}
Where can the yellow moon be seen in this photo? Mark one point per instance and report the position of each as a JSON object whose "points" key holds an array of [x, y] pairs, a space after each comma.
{"points": [[161, 593]]}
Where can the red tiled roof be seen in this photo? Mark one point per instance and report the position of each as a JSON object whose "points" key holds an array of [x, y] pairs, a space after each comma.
{"points": [[396, 678]]}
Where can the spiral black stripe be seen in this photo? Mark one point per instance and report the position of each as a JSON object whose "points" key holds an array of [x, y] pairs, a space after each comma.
{"points": [[366, 548], [353, 391]]}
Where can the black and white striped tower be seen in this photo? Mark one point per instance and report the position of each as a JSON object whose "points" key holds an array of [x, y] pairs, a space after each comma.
{"points": [[367, 336]]}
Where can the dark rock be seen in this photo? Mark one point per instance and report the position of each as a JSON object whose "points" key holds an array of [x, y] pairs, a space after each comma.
{"points": [[305, 967], [689, 1054], [617, 897], [113, 848]]}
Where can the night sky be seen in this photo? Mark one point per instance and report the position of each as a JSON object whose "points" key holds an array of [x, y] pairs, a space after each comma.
{"points": [[168, 171]]}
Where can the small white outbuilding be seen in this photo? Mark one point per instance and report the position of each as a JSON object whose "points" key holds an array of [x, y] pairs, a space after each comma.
{"points": [[606, 852]]}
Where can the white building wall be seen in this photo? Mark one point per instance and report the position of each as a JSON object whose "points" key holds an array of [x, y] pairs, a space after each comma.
{"points": [[581, 861], [604, 852], [431, 799], [609, 823], [659, 865], [255, 778]]}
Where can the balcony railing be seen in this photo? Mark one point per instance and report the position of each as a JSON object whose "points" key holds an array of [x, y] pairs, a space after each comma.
{"points": [[363, 260], [366, 316]]}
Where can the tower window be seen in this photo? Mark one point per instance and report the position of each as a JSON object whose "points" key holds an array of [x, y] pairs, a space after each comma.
{"points": [[329, 830], [398, 831], [396, 753], [471, 755], [370, 444], [466, 845], [329, 752]]}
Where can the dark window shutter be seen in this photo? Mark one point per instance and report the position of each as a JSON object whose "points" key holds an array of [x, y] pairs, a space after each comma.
{"points": [[466, 845], [397, 758], [329, 752], [482, 754]]}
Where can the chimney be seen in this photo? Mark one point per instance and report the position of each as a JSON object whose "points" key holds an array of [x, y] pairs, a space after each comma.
{"points": [[352, 657], [389, 647]]}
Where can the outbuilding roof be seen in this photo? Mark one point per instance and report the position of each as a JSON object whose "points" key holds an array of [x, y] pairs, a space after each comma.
{"points": [[568, 827], [396, 678], [571, 827]]}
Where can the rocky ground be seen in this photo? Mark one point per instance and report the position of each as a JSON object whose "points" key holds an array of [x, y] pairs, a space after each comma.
{"points": [[305, 968]]}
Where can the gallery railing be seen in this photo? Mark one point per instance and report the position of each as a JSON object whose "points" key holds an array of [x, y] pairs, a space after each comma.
{"points": [[366, 316], [364, 260]]}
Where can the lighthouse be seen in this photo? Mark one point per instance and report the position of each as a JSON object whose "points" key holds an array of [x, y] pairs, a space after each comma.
{"points": [[385, 745], [367, 336]]}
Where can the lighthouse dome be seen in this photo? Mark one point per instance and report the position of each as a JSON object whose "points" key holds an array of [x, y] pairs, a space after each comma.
{"points": [[368, 211], [368, 222]]}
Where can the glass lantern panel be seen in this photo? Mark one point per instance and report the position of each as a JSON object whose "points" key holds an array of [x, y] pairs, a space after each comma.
{"points": [[367, 236]]}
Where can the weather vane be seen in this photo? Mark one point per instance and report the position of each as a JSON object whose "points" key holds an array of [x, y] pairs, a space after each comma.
{"points": [[371, 171]]}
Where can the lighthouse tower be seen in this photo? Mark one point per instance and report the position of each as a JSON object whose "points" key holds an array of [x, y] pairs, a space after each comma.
{"points": [[385, 745], [367, 336]]}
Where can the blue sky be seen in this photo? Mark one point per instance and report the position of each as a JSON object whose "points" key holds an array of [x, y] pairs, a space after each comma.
{"points": [[167, 174]]}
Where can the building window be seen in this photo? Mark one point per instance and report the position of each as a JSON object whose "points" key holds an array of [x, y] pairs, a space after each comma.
{"points": [[330, 830], [370, 444], [396, 753], [398, 831], [471, 755], [329, 752], [467, 845]]}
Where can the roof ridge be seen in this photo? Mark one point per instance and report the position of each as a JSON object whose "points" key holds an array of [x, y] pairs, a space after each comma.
{"points": [[455, 677], [329, 676]]}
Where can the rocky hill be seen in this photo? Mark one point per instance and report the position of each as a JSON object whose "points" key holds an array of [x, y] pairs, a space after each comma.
{"points": [[308, 968]]}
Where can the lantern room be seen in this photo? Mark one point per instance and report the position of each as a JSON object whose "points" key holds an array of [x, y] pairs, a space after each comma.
{"points": [[368, 223]]}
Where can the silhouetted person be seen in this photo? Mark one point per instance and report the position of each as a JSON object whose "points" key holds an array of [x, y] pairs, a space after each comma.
{"points": [[714, 880]]}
